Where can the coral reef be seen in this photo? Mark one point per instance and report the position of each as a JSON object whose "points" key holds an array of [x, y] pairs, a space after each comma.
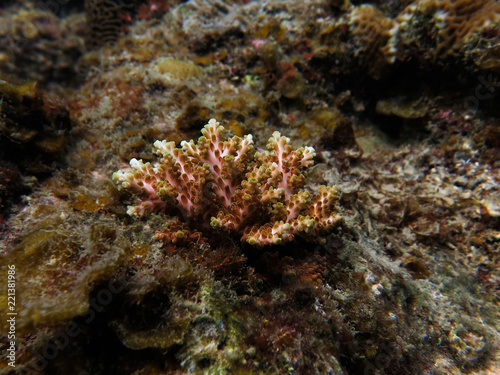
{"points": [[223, 182], [37, 45], [434, 30], [33, 127], [458, 20], [399, 103], [70, 268], [34, 132], [106, 19], [374, 34]]}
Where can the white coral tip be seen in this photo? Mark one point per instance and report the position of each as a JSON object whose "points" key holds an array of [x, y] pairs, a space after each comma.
{"points": [[164, 147], [136, 164], [132, 211]]}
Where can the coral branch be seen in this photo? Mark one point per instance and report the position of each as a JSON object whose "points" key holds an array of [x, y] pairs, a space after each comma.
{"points": [[224, 185]]}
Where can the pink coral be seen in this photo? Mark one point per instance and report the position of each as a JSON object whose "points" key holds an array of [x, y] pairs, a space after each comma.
{"points": [[223, 184]]}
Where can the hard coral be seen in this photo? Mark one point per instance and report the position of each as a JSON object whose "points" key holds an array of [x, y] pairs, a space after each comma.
{"points": [[222, 184], [375, 34], [106, 19], [458, 20], [433, 30]]}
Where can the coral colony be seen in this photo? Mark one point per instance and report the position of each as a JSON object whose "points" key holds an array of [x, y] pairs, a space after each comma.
{"points": [[225, 183]]}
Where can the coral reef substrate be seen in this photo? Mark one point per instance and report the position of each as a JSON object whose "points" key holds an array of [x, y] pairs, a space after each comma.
{"points": [[398, 99]]}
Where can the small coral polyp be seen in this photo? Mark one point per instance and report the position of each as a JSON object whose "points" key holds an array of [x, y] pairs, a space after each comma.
{"points": [[220, 184]]}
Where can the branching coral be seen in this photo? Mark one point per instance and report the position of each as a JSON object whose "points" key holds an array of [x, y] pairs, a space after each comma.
{"points": [[224, 185]]}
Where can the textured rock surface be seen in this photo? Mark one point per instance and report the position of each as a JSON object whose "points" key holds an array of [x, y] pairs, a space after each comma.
{"points": [[404, 125]]}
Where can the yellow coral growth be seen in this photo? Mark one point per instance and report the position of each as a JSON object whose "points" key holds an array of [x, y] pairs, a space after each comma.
{"points": [[450, 23], [178, 69], [456, 20], [374, 33]]}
